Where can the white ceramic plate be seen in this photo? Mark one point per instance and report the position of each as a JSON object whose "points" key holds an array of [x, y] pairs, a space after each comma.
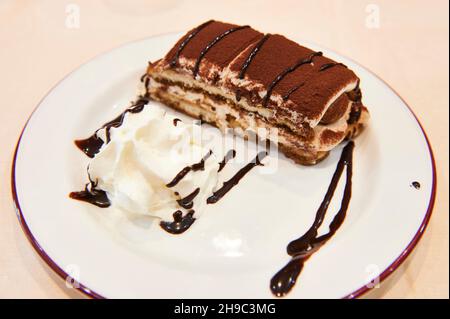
{"points": [[239, 243]]}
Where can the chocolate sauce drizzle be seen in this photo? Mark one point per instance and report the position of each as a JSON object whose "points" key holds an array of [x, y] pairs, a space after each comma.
{"points": [[137, 107], [212, 43], [92, 195], [91, 145], [355, 95], [188, 201], [180, 223], [229, 156], [415, 184], [330, 65], [249, 60], [290, 69], [295, 88], [175, 121], [252, 55], [200, 166], [355, 113], [145, 79], [305, 246], [229, 184], [183, 44]]}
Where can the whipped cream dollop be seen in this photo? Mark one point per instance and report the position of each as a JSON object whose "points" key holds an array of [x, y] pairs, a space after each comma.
{"points": [[144, 155]]}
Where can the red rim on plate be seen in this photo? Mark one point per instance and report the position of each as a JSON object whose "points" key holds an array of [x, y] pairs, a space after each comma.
{"points": [[357, 293]]}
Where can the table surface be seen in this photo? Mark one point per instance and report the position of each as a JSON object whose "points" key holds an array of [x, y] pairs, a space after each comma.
{"points": [[405, 42]]}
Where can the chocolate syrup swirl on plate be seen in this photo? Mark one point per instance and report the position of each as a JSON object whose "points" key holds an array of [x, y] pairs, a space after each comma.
{"points": [[175, 122], [92, 195], [290, 69], [92, 145], [305, 246], [416, 185], [229, 156], [212, 43], [194, 167], [229, 184], [188, 201], [180, 223]]}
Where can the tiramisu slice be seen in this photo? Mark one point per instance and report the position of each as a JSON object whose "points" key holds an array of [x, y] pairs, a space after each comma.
{"points": [[236, 77]]}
